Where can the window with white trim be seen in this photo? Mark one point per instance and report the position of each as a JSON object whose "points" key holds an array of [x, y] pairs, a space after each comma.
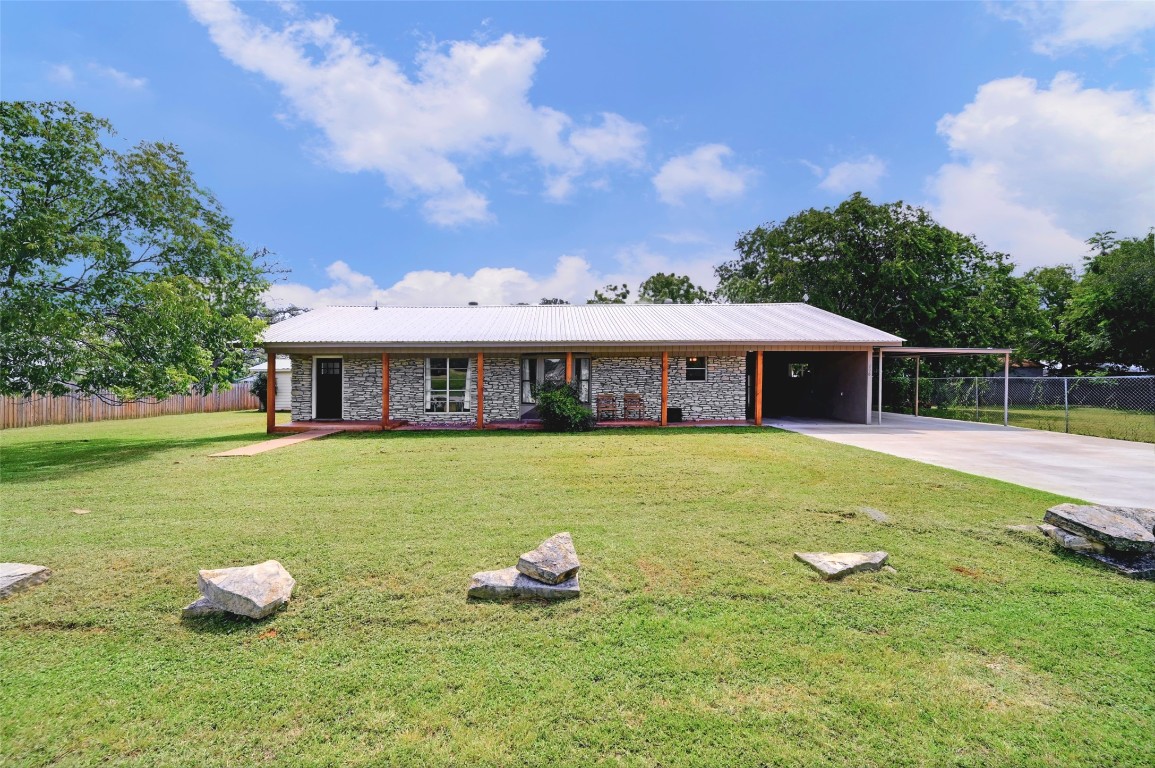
{"points": [[447, 384]]}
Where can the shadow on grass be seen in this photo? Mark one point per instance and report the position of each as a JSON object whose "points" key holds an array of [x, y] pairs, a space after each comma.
{"points": [[529, 434], [227, 624], [62, 459]]}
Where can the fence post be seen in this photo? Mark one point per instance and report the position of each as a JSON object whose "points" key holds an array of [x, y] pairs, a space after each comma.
{"points": [[1066, 408], [976, 398]]}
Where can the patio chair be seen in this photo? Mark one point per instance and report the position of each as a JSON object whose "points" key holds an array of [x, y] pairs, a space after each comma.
{"points": [[633, 407], [607, 406]]}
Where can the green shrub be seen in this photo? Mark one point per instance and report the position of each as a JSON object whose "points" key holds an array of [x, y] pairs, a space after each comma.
{"points": [[258, 388], [561, 410]]}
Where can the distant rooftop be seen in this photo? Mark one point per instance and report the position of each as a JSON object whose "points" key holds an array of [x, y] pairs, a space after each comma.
{"points": [[593, 324]]}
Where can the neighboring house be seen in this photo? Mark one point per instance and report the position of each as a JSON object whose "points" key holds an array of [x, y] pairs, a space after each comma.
{"points": [[480, 365], [284, 390]]}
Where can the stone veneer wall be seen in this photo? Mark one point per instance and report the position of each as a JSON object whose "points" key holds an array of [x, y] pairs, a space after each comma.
{"points": [[721, 396], [620, 375], [302, 378], [502, 388], [361, 385]]}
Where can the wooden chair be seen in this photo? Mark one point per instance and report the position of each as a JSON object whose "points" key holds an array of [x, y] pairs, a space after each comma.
{"points": [[632, 407], [607, 406]]}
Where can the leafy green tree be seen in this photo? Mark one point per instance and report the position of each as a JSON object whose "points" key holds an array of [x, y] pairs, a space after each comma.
{"points": [[553, 301], [1114, 303], [891, 266], [679, 289], [611, 294], [1058, 341], [117, 272]]}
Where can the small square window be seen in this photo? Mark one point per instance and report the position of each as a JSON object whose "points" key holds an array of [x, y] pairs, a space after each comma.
{"points": [[695, 369], [799, 370]]}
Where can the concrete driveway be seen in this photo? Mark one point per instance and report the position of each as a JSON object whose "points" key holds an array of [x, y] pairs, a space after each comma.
{"points": [[1094, 469]]}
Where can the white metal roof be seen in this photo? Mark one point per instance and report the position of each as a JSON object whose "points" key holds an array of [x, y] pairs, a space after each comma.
{"points": [[593, 324], [283, 364]]}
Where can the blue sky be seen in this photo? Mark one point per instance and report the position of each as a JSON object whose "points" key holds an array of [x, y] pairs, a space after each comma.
{"points": [[426, 153]]}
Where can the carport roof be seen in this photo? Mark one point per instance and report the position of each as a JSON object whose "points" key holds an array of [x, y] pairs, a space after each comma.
{"points": [[593, 324], [929, 351]]}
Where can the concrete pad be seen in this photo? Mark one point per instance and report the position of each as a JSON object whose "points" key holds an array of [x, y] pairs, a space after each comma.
{"points": [[1115, 472], [279, 442]]}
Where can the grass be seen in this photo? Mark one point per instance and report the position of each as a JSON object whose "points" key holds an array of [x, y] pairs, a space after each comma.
{"points": [[1115, 423], [697, 641]]}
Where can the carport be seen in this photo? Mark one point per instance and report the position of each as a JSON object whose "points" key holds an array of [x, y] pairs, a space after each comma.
{"points": [[920, 352]]}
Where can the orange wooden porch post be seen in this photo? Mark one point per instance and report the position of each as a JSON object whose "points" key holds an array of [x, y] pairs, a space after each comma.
{"points": [[665, 385], [480, 390], [569, 367], [384, 388], [271, 394], [758, 390]]}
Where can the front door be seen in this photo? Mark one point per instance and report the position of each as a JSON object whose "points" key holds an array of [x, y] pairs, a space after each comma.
{"points": [[328, 388]]}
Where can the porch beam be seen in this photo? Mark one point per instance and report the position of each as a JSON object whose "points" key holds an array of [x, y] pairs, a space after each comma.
{"points": [[384, 389], [480, 390], [271, 394], [758, 389], [665, 386], [880, 386]]}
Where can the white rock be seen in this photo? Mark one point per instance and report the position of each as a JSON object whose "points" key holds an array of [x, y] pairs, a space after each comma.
{"points": [[1071, 541], [553, 562], [15, 577], [252, 590], [509, 583], [202, 607], [835, 565], [877, 515]]}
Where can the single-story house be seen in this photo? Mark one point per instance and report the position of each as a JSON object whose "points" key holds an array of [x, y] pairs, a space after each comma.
{"points": [[480, 365], [284, 384]]}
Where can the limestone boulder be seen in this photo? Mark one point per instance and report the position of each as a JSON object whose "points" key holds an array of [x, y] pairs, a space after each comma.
{"points": [[553, 562], [202, 607], [510, 583], [1122, 533], [1071, 541], [835, 565], [15, 577], [251, 590], [1145, 517]]}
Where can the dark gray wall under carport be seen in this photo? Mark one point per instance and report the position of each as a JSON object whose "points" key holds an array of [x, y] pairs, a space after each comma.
{"points": [[837, 385]]}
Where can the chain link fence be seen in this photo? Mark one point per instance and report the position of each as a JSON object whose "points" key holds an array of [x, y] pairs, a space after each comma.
{"points": [[1120, 407]]}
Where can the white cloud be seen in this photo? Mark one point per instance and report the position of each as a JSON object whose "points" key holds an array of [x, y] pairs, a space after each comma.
{"points": [[1038, 169], [852, 176], [61, 74], [702, 172], [467, 101], [118, 78], [1056, 27], [572, 278]]}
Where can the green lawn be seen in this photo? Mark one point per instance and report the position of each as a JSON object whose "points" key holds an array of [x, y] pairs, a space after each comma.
{"points": [[1115, 423], [697, 641]]}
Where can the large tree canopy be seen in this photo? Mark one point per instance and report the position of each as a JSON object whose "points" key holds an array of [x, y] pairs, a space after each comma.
{"points": [[890, 266], [1113, 306], [117, 272], [678, 289]]}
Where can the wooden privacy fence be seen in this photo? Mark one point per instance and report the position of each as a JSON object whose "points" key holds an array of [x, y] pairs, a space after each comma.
{"points": [[69, 409]]}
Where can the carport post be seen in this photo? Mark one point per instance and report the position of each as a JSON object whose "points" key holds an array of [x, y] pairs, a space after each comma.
{"points": [[917, 363], [1007, 389], [880, 385]]}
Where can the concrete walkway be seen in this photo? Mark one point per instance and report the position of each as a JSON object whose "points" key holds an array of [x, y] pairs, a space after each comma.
{"points": [[280, 442], [1095, 469]]}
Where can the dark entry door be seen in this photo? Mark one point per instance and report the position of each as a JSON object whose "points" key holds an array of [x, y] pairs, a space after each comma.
{"points": [[329, 388]]}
